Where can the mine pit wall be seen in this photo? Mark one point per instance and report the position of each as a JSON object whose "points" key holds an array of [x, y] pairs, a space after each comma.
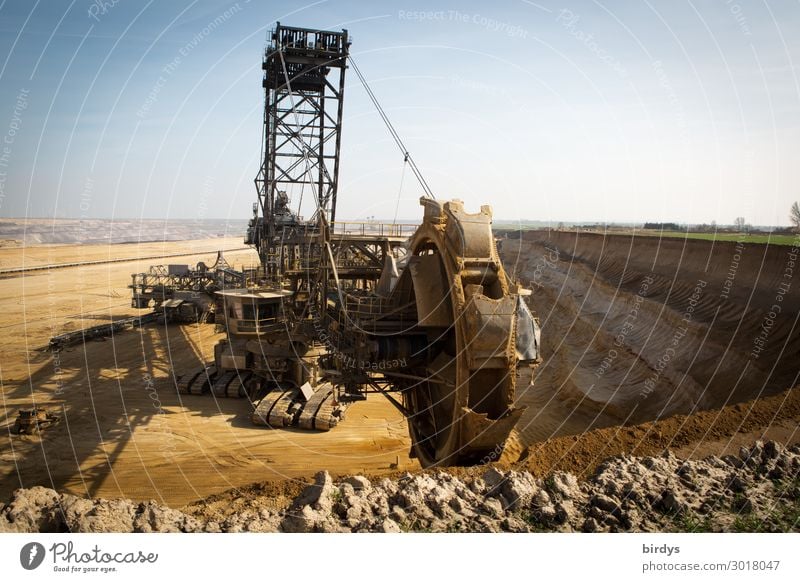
{"points": [[637, 328]]}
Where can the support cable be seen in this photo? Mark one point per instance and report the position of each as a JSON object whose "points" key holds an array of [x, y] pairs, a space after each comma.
{"points": [[400, 191], [393, 132]]}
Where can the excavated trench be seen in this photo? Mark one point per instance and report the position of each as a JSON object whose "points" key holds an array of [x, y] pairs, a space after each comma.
{"points": [[640, 328]]}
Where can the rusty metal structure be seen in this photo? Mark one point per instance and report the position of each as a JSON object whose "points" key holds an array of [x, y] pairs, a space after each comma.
{"points": [[163, 283], [304, 81], [425, 315], [33, 420]]}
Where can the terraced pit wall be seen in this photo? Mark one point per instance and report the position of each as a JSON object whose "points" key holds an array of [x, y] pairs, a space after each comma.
{"points": [[638, 328]]}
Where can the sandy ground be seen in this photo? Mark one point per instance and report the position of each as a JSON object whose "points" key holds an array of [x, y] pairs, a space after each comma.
{"points": [[36, 255], [600, 391], [40, 304], [123, 435]]}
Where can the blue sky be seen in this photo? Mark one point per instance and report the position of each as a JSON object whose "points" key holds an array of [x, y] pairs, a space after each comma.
{"points": [[571, 110]]}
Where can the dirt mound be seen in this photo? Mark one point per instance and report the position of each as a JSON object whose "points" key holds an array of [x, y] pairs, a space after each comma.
{"points": [[40, 509], [756, 490], [636, 329], [708, 431]]}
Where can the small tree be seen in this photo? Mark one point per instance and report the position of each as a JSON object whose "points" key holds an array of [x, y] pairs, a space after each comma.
{"points": [[739, 224], [794, 216]]}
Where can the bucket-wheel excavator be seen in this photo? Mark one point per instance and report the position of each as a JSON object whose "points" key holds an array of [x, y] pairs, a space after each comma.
{"points": [[425, 315]]}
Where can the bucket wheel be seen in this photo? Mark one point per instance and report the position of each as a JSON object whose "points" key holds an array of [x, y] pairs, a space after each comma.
{"points": [[463, 411]]}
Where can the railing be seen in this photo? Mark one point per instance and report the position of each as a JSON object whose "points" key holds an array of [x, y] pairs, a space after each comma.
{"points": [[255, 325], [374, 306], [374, 229], [367, 305]]}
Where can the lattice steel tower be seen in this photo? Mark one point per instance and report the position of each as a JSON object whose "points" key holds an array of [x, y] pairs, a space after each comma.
{"points": [[304, 73]]}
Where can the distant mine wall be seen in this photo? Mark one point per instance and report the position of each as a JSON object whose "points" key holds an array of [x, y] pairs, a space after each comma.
{"points": [[754, 271]]}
